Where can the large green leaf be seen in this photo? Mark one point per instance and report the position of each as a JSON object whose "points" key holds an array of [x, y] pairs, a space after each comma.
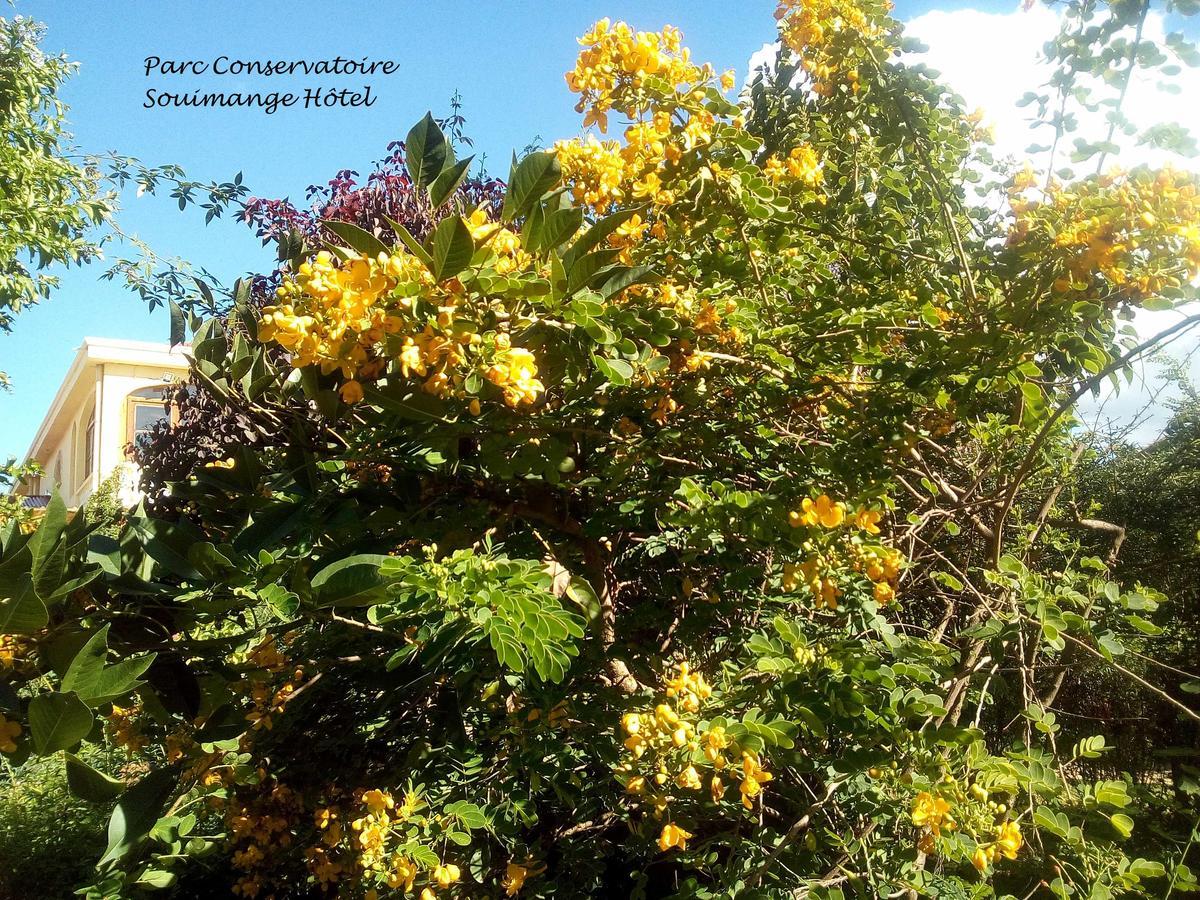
{"points": [[23, 612], [167, 543], [363, 242], [426, 151], [49, 530], [413, 245], [353, 581], [444, 186], [90, 784], [137, 811], [595, 235], [452, 247], [58, 721], [178, 332], [94, 681], [529, 181], [559, 227]]}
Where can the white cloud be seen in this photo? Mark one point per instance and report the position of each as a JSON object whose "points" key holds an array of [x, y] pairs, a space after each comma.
{"points": [[991, 60]]}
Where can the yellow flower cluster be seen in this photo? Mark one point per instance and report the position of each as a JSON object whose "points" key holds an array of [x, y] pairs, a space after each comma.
{"points": [[814, 573], [267, 655], [515, 875], [1007, 843], [802, 165], [268, 701], [823, 32], [511, 256], [1138, 231], [594, 170], [688, 688], [9, 732], [260, 822], [14, 652], [371, 839], [822, 511], [616, 62], [356, 316], [122, 728], [515, 373], [881, 565], [932, 812], [649, 77], [668, 751]]}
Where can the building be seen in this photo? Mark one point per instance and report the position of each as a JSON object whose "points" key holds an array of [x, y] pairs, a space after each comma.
{"points": [[112, 394]]}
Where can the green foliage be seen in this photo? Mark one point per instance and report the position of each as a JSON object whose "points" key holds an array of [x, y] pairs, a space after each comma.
{"points": [[48, 203]]}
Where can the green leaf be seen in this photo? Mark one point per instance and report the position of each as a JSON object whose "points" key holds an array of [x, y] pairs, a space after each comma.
{"points": [[559, 227], [178, 326], [452, 247], [283, 603], [97, 683], [58, 721], [23, 612], [619, 278], [50, 529], [529, 181], [137, 811], [586, 268], [90, 784], [425, 151], [362, 242], [1122, 823], [598, 233], [167, 543], [413, 245], [156, 879], [444, 186], [353, 581]]}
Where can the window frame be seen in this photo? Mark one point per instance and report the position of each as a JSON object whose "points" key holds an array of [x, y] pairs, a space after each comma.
{"points": [[133, 401]]}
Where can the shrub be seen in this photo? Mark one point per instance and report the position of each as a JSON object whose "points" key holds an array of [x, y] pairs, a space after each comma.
{"points": [[677, 526]]}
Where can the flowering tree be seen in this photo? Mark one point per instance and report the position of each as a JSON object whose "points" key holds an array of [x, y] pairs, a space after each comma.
{"points": [[682, 524]]}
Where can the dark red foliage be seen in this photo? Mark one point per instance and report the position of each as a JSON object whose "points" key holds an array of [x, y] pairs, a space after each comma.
{"points": [[387, 194]]}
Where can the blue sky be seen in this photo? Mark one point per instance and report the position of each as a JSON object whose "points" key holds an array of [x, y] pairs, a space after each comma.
{"points": [[506, 58]]}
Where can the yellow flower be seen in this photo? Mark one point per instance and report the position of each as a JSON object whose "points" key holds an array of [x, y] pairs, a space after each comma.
{"points": [[672, 836], [377, 801], [753, 777], [402, 874], [715, 740], [884, 593], [1010, 840], [514, 878], [635, 785], [8, 733], [717, 788], [868, 520], [931, 811], [823, 512], [428, 894], [979, 859], [689, 778], [351, 392], [446, 875]]}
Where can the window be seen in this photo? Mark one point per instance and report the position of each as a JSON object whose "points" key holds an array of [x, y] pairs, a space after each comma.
{"points": [[147, 407], [89, 445]]}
